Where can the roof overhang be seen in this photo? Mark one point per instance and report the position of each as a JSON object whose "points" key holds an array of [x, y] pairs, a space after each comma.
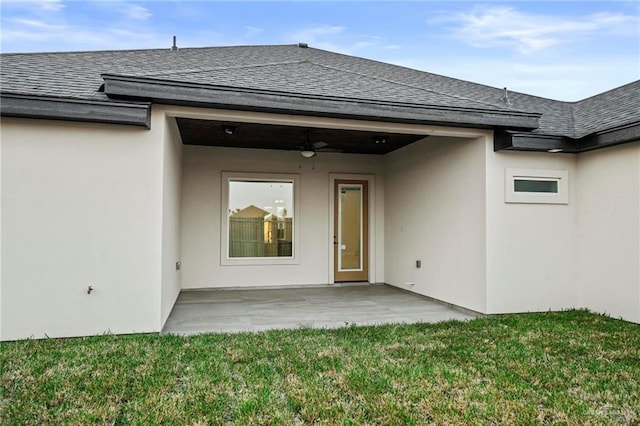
{"points": [[30, 106], [204, 95], [619, 135], [520, 141], [516, 141]]}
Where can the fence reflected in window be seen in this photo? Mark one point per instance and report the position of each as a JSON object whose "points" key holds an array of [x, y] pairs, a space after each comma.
{"points": [[260, 218]]}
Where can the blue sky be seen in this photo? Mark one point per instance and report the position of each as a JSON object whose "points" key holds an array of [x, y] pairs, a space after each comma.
{"points": [[562, 50]]}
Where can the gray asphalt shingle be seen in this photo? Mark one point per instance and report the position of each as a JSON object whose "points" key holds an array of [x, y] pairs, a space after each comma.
{"points": [[289, 68], [607, 110]]}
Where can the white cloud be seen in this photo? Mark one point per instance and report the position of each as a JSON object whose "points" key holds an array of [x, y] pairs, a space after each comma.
{"points": [[39, 30], [51, 5], [316, 33], [337, 38], [39, 5], [565, 81], [528, 32], [136, 12], [364, 44], [57, 36], [328, 37], [34, 24], [252, 31]]}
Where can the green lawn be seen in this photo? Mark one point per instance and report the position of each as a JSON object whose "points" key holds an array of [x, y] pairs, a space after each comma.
{"points": [[571, 367]]}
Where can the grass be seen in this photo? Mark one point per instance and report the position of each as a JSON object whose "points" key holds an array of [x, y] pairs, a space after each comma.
{"points": [[571, 367]]}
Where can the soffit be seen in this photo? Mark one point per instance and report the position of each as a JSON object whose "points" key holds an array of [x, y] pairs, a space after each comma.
{"points": [[291, 138]]}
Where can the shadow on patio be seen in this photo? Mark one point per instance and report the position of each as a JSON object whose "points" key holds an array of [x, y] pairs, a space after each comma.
{"points": [[202, 311]]}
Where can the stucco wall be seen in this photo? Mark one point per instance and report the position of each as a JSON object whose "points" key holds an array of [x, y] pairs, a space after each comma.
{"points": [[81, 206], [171, 212], [608, 237], [114, 207], [530, 247], [201, 215], [1, 292], [435, 212]]}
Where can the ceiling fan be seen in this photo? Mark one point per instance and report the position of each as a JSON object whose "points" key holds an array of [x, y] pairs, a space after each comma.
{"points": [[309, 149]]}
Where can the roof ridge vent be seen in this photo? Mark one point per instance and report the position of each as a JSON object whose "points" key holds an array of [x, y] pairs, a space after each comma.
{"points": [[505, 97], [303, 45], [175, 46]]}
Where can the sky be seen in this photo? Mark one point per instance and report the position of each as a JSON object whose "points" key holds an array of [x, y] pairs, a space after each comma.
{"points": [[273, 197], [565, 50]]}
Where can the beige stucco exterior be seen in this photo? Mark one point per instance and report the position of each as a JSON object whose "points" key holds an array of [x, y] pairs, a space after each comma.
{"points": [[435, 213], [81, 207], [530, 247], [116, 207], [608, 231], [202, 214], [171, 217]]}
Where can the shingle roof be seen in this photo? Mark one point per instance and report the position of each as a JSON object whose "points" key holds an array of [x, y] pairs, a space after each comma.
{"points": [[607, 110], [308, 71]]}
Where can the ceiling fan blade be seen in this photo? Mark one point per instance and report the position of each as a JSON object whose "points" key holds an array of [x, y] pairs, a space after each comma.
{"points": [[319, 145]]}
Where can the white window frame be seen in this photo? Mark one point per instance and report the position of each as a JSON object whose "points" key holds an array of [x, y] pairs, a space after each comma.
{"points": [[559, 176], [227, 177]]}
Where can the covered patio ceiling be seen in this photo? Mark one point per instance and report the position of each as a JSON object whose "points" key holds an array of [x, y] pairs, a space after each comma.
{"points": [[291, 138]]}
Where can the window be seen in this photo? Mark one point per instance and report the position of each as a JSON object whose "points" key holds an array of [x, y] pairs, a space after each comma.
{"points": [[537, 186], [258, 221]]}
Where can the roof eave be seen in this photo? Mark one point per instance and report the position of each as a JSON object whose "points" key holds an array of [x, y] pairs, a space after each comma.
{"points": [[93, 111], [201, 95], [516, 141], [519, 141], [629, 132]]}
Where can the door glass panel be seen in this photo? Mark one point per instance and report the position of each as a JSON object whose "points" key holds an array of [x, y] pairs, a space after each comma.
{"points": [[350, 228]]}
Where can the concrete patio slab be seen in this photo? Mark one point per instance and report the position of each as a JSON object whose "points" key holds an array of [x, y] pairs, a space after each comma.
{"points": [[232, 311]]}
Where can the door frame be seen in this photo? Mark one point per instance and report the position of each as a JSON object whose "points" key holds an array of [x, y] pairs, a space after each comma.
{"points": [[371, 206]]}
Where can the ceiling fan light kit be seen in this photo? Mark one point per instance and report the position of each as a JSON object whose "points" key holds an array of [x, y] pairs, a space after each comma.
{"points": [[308, 150]]}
